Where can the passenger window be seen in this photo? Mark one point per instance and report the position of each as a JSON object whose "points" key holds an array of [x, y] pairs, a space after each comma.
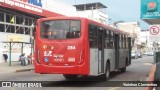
{"points": [[112, 40], [107, 39], [93, 37]]}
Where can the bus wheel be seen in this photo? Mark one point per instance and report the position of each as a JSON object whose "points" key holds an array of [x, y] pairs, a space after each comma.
{"points": [[123, 69], [68, 76], [107, 72]]}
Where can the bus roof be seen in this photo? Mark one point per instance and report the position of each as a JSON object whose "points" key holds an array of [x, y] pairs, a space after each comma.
{"points": [[118, 31]]}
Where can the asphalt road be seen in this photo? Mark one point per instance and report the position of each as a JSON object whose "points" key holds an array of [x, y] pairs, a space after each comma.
{"points": [[138, 71]]}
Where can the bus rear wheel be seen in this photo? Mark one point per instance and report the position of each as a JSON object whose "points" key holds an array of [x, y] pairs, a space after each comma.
{"points": [[107, 72], [68, 76], [123, 69]]}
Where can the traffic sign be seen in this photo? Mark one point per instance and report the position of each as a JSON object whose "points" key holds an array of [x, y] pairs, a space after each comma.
{"points": [[154, 30], [154, 33]]}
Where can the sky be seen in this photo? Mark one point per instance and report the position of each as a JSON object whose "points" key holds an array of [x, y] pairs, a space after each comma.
{"points": [[126, 10]]}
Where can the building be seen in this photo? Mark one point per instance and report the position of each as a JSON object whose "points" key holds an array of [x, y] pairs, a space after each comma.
{"points": [[150, 13], [133, 28], [18, 17], [147, 45], [93, 11]]}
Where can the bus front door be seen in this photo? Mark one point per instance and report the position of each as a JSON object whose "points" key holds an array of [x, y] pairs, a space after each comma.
{"points": [[101, 51], [117, 51]]}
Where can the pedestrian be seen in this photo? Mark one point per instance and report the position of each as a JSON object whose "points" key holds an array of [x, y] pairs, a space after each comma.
{"points": [[154, 76], [20, 57], [5, 51], [23, 59], [29, 58]]}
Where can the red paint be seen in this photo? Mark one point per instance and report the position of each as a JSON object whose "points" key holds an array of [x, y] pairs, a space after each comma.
{"points": [[24, 0], [60, 47]]}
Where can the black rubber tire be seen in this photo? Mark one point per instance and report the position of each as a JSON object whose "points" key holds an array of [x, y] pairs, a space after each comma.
{"points": [[107, 72], [123, 69], [69, 77]]}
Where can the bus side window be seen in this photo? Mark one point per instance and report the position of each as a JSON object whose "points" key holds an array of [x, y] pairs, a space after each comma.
{"points": [[112, 40], [119, 40], [68, 35], [76, 34], [127, 42], [107, 39], [92, 33], [122, 40]]}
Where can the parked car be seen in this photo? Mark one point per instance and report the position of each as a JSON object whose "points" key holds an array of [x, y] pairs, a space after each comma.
{"points": [[151, 53], [145, 53], [139, 54], [134, 55]]}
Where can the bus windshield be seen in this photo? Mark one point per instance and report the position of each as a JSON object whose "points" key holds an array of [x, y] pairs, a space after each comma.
{"points": [[60, 29]]}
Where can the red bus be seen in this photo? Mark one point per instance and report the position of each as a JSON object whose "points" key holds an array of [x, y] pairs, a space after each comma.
{"points": [[75, 46]]}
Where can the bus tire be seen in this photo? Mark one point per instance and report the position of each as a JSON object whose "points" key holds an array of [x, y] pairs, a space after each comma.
{"points": [[107, 72], [124, 68], [69, 77]]}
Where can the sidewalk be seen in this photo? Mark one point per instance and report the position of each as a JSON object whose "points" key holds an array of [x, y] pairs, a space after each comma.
{"points": [[15, 67]]}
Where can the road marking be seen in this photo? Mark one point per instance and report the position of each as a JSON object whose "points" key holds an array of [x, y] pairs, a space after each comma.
{"points": [[34, 79], [37, 78], [147, 64], [12, 88], [115, 88]]}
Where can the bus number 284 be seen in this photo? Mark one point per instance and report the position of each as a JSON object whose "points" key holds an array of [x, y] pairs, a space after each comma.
{"points": [[71, 47]]}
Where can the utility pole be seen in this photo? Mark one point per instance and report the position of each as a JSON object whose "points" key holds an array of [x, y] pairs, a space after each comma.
{"points": [[31, 37]]}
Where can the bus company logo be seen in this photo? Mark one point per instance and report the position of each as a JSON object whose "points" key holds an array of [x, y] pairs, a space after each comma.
{"points": [[33, 2], [44, 47], [48, 53], [6, 84], [48, 47], [58, 57]]}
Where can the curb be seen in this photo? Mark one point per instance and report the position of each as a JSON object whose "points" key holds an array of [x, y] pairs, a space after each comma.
{"points": [[24, 70]]}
